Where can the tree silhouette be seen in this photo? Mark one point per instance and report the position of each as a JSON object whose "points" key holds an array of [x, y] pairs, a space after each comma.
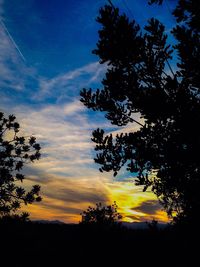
{"points": [[101, 215], [15, 152], [164, 151]]}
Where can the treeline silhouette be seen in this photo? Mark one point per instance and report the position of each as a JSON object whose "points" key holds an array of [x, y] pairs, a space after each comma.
{"points": [[46, 244]]}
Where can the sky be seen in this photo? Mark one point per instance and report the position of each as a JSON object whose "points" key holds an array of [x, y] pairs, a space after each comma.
{"points": [[45, 60]]}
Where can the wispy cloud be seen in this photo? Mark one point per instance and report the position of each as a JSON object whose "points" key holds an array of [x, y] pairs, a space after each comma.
{"points": [[66, 198], [63, 131], [70, 83], [69, 180]]}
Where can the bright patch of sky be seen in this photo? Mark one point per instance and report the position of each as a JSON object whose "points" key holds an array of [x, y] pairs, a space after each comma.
{"points": [[45, 59]]}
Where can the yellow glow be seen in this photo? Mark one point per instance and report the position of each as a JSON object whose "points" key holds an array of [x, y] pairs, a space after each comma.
{"points": [[128, 197]]}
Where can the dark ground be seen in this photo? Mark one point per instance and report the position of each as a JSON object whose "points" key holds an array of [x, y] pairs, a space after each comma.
{"points": [[39, 245]]}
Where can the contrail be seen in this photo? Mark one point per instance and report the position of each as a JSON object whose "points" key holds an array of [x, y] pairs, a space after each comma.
{"points": [[12, 40]]}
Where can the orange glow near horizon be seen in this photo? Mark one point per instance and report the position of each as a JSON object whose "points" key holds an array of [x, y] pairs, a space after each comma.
{"points": [[129, 198]]}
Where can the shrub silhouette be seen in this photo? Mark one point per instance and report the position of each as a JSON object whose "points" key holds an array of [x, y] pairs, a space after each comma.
{"points": [[101, 215]]}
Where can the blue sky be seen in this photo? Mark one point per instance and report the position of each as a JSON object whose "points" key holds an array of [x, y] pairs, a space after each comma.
{"points": [[42, 72]]}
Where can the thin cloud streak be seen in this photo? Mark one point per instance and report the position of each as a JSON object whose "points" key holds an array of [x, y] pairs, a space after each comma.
{"points": [[10, 78], [12, 40]]}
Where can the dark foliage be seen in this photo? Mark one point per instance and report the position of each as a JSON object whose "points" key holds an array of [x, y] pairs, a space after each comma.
{"points": [[15, 152], [15, 218], [101, 215], [164, 151], [44, 245]]}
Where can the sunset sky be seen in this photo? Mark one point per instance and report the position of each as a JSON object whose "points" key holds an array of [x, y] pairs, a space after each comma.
{"points": [[45, 59]]}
